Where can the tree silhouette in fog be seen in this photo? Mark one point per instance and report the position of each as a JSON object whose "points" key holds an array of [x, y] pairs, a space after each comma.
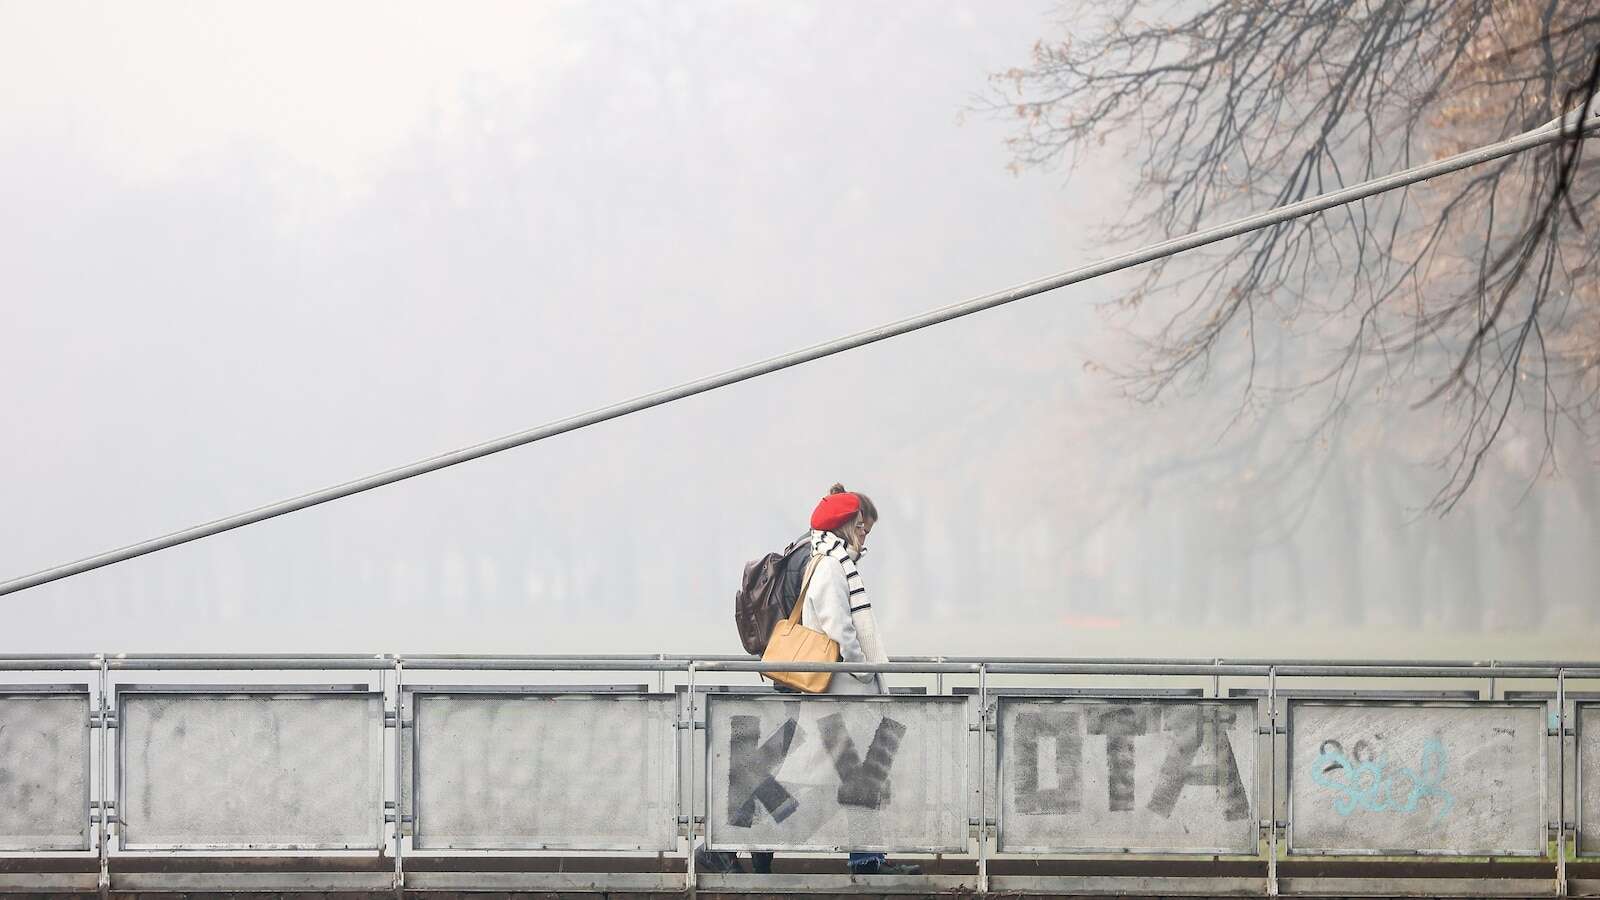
{"points": [[1478, 293]]}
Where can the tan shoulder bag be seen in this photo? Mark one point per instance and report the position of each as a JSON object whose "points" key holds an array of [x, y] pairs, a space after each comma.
{"points": [[793, 642]]}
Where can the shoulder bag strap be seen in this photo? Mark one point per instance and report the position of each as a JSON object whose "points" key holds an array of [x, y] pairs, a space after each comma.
{"points": [[800, 601]]}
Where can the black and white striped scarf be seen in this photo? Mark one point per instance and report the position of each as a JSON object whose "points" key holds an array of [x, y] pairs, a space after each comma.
{"points": [[831, 545]]}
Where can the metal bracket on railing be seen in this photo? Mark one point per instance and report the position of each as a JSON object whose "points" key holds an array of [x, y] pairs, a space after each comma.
{"points": [[389, 717], [99, 719], [687, 726]]}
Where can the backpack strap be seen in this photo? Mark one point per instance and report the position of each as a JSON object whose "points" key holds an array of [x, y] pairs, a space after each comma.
{"points": [[805, 584]]}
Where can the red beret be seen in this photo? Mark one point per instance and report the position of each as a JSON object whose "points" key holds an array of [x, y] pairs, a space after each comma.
{"points": [[834, 511]]}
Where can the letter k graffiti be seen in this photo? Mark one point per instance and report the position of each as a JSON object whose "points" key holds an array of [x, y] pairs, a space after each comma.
{"points": [[752, 764]]}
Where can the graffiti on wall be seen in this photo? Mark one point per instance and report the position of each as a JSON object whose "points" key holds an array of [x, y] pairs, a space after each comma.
{"points": [[826, 773], [1048, 748], [1366, 780], [754, 761], [1371, 775]]}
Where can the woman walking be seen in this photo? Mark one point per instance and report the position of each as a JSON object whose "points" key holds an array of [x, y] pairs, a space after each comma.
{"points": [[836, 604]]}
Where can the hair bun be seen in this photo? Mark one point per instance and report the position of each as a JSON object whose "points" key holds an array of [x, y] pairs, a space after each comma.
{"points": [[836, 489]]}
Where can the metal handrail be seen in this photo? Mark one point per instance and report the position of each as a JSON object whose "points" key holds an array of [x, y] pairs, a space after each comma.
{"points": [[1573, 125], [666, 662]]}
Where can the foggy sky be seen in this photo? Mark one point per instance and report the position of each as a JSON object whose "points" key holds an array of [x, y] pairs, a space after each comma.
{"points": [[250, 251]]}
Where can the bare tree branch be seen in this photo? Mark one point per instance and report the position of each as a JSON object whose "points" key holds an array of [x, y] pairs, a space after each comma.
{"points": [[1478, 292]]}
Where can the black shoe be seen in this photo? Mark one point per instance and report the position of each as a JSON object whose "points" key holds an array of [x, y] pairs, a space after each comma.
{"points": [[716, 862], [886, 868]]}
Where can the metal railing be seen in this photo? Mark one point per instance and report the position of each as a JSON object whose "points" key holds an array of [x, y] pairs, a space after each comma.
{"points": [[125, 719]]}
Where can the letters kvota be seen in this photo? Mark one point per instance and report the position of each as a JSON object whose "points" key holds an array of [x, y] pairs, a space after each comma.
{"points": [[865, 781]]}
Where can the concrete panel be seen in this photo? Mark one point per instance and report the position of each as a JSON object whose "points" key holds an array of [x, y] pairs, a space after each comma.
{"points": [[260, 768], [836, 773], [1428, 778], [1152, 776], [1587, 723], [44, 770], [551, 771]]}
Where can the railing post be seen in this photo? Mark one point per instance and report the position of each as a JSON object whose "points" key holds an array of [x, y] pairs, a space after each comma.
{"points": [[1561, 783], [384, 811], [983, 778], [677, 758], [104, 882], [938, 691], [399, 782], [688, 728], [1272, 781]]}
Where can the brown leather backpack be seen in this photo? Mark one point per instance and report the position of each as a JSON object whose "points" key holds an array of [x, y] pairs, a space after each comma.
{"points": [[768, 593]]}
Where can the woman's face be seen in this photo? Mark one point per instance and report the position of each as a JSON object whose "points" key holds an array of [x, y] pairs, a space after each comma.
{"points": [[855, 534]]}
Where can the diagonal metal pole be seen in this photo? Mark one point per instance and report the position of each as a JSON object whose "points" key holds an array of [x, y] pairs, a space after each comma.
{"points": [[1581, 122]]}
